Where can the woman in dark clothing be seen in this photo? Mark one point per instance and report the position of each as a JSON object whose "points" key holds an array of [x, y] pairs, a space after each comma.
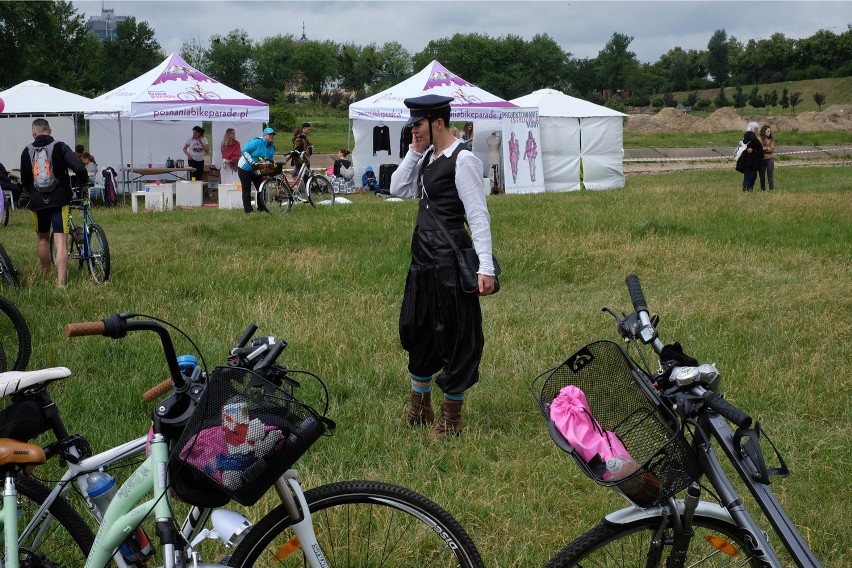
{"points": [[751, 158]]}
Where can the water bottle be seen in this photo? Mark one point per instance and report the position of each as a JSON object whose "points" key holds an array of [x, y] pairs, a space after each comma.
{"points": [[619, 467], [101, 489]]}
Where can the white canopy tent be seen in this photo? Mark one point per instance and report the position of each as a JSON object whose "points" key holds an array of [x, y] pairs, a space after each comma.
{"points": [[30, 100], [377, 121], [158, 106], [575, 132]]}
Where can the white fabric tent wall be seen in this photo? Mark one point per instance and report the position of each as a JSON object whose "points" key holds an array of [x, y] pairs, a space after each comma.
{"points": [[160, 139], [577, 133], [18, 132]]}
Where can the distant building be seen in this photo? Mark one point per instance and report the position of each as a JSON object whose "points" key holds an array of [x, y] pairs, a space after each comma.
{"points": [[103, 26]]}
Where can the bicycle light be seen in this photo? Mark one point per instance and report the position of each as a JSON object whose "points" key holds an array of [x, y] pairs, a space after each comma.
{"points": [[231, 527]]}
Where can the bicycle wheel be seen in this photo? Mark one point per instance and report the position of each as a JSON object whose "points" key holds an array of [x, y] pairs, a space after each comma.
{"points": [[271, 196], [98, 256], [9, 271], [363, 523], [60, 539], [321, 190], [15, 341], [715, 543]]}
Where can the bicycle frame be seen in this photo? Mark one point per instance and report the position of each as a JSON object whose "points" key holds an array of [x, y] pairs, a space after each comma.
{"points": [[88, 220]]}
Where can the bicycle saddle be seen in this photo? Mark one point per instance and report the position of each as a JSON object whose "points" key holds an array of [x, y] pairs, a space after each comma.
{"points": [[14, 381]]}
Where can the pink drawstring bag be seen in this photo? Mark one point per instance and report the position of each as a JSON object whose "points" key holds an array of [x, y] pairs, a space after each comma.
{"points": [[570, 412]]}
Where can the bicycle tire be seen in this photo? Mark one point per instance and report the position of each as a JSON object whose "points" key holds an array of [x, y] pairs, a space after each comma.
{"points": [[98, 257], [373, 523], [321, 189], [19, 348], [628, 545], [270, 196], [60, 540], [7, 267]]}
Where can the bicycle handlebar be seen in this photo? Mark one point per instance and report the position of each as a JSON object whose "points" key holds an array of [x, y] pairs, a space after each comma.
{"points": [[713, 400], [157, 391], [117, 326]]}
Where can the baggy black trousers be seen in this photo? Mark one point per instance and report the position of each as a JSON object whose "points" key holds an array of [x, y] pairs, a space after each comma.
{"points": [[440, 326]]}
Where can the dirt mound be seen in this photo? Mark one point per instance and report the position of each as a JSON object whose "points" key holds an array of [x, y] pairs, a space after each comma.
{"points": [[833, 118]]}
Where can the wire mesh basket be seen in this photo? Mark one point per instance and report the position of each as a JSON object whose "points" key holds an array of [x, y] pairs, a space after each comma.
{"points": [[244, 433], [622, 400]]}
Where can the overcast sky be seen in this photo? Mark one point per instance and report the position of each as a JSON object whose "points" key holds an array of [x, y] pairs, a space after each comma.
{"points": [[581, 28]]}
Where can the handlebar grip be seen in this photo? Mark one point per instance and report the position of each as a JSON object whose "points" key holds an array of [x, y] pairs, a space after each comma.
{"points": [[250, 330], [80, 329], [636, 294], [157, 391], [728, 410]]}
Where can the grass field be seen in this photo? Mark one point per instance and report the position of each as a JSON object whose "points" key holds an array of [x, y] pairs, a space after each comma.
{"points": [[757, 283]]}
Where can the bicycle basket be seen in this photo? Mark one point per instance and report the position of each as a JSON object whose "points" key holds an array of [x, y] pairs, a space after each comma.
{"points": [[245, 432], [272, 169], [622, 400]]}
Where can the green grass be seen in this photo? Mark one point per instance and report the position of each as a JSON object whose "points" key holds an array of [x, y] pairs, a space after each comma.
{"points": [[715, 139], [757, 283]]}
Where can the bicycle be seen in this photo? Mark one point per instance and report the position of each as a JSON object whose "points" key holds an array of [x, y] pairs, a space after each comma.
{"points": [[280, 191], [667, 419], [8, 270], [87, 243], [362, 519], [15, 339]]}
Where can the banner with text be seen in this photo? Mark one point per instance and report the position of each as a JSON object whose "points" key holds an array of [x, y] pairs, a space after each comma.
{"points": [[522, 151]]}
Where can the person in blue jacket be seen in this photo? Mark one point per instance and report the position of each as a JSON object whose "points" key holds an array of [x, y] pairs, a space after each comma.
{"points": [[256, 152], [369, 181]]}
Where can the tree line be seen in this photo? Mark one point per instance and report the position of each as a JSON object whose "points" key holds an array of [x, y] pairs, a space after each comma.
{"points": [[49, 42]]}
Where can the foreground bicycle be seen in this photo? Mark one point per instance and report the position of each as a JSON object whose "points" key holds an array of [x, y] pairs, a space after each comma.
{"points": [[15, 340], [8, 270], [281, 190], [353, 523], [667, 420], [87, 243]]}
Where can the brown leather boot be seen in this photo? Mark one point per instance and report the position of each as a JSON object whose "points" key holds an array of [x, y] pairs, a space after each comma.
{"points": [[449, 422], [420, 411]]}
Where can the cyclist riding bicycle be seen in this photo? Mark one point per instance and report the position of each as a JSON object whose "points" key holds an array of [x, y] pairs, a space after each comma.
{"points": [[257, 151]]}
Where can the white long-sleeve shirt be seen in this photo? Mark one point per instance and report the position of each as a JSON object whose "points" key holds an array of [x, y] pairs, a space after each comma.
{"points": [[470, 186]]}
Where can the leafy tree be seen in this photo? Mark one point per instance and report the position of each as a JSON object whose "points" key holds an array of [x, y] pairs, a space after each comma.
{"points": [[132, 52], [274, 67], [754, 98], [785, 99], [669, 99], [692, 98], [615, 63], [819, 99], [231, 59], [194, 53], [318, 63], [770, 99], [678, 70], [795, 99], [740, 98], [718, 65], [581, 76], [394, 64], [358, 67], [721, 99]]}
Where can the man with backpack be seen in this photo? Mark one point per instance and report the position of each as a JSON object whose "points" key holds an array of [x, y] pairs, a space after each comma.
{"points": [[44, 172]]}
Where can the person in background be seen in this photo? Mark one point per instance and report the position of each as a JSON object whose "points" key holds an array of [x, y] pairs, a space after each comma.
{"points": [[467, 132], [343, 172], [91, 166], [78, 151], [257, 151], [750, 159], [9, 183], [440, 326], [301, 143], [195, 149], [50, 208], [231, 152], [767, 165]]}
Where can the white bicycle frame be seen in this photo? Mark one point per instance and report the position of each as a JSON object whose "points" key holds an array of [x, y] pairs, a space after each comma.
{"points": [[121, 520]]}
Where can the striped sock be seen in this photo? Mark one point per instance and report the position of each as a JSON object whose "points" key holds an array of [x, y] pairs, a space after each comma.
{"points": [[421, 385], [455, 397]]}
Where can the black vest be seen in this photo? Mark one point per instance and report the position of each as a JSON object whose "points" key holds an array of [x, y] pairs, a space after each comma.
{"points": [[439, 181]]}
